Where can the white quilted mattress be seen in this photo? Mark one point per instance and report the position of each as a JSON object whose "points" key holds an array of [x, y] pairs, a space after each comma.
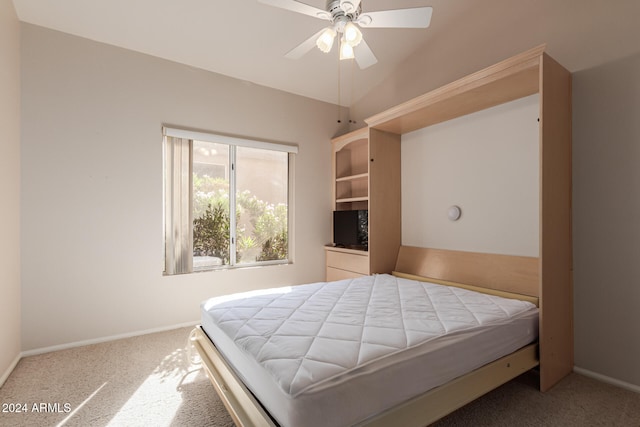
{"points": [[334, 354]]}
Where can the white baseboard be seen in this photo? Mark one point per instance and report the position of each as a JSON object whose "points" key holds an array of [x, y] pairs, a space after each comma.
{"points": [[43, 350], [606, 379], [10, 369]]}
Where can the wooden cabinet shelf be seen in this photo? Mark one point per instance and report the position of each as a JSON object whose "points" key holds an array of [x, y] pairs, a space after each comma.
{"points": [[353, 177], [352, 188], [352, 199]]}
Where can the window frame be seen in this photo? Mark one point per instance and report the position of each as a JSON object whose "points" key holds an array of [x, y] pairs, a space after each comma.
{"points": [[175, 230]]}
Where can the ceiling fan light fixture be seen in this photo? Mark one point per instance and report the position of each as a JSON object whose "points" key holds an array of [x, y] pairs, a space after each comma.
{"points": [[325, 41], [347, 19], [346, 50], [352, 34]]}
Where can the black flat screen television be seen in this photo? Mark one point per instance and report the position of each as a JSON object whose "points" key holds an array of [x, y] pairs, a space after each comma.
{"points": [[351, 229]]}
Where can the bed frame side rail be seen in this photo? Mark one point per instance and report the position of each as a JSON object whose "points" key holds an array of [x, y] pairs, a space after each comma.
{"points": [[443, 400], [243, 407]]}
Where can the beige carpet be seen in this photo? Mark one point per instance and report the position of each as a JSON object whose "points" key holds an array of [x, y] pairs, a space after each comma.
{"points": [[141, 381], [150, 381]]}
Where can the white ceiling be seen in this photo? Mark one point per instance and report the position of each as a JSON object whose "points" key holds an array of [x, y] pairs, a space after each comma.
{"points": [[247, 40]]}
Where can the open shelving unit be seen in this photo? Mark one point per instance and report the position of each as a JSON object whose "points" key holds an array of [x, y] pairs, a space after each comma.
{"points": [[366, 175], [351, 163]]}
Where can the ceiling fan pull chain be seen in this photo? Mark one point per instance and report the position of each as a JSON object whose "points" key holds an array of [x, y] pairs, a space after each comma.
{"points": [[339, 91]]}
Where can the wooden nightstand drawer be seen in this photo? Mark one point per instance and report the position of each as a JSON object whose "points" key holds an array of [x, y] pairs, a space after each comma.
{"points": [[334, 274], [348, 261]]}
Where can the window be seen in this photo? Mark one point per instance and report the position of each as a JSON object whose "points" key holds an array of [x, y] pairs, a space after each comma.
{"points": [[226, 201]]}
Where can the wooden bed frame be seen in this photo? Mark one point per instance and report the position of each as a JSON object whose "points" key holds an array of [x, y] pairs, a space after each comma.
{"points": [[510, 276], [548, 277]]}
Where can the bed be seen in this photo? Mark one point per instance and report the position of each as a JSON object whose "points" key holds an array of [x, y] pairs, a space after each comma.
{"points": [[343, 353]]}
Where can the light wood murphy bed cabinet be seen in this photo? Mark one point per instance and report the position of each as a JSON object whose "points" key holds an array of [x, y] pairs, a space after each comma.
{"points": [[367, 176]]}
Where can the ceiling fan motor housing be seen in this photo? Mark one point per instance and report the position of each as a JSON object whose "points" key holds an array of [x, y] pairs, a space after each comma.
{"points": [[343, 13]]}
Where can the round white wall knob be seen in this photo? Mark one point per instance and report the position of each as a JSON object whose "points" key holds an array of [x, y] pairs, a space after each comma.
{"points": [[454, 213]]}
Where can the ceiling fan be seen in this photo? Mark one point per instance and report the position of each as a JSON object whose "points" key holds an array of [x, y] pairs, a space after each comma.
{"points": [[345, 17]]}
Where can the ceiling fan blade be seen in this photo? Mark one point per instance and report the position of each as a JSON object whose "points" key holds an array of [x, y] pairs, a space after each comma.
{"points": [[304, 47], [296, 6], [417, 17], [349, 6], [364, 55]]}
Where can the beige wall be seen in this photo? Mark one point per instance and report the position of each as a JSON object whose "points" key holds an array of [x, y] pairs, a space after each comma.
{"points": [[468, 36], [487, 163], [606, 219], [9, 188], [450, 55], [92, 185]]}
